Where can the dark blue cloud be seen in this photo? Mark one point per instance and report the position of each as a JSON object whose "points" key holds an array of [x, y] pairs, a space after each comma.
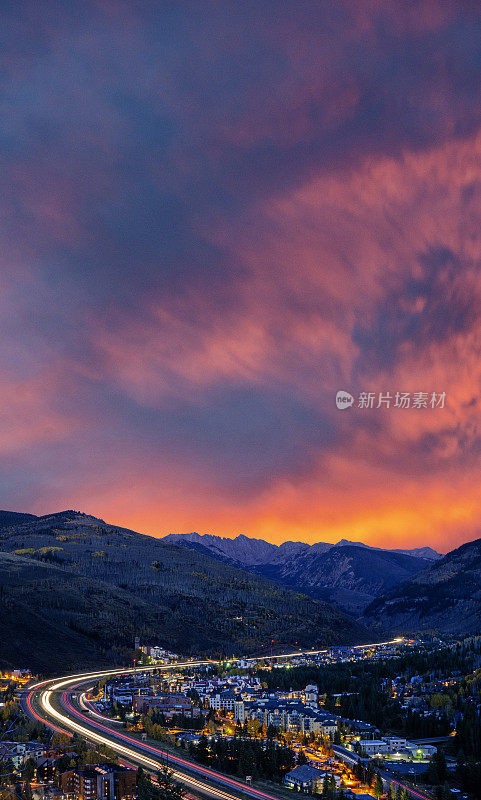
{"points": [[418, 311], [246, 439]]}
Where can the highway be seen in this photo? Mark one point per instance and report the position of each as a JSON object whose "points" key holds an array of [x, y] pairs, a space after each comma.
{"points": [[51, 703], [300, 653]]}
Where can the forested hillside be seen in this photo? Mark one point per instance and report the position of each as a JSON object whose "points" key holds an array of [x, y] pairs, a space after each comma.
{"points": [[69, 575], [348, 574], [446, 596]]}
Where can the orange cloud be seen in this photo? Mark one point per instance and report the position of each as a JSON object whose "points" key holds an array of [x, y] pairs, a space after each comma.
{"points": [[328, 255]]}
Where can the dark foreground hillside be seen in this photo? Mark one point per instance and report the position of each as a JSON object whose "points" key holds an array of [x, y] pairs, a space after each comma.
{"points": [[75, 591], [445, 597]]}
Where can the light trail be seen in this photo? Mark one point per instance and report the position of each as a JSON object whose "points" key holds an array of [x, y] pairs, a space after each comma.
{"points": [[266, 657], [408, 788], [42, 719], [150, 762], [125, 671], [87, 705], [208, 773], [45, 690]]}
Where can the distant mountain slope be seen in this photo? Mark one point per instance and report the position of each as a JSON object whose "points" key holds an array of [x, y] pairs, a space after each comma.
{"points": [[108, 584], [253, 552], [421, 552], [288, 550], [445, 596], [349, 574], [242, 549]]}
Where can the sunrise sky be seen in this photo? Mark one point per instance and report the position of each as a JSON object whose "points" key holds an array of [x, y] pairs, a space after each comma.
{"points": [[216, 215]]}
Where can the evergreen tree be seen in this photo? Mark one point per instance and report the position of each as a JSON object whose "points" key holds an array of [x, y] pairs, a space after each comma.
{"points": [[446, 792], [370, 773], [166, 789], [28, 770], [202, 751], [378, 785], [437, 771], [247, 762], [169, 789]]}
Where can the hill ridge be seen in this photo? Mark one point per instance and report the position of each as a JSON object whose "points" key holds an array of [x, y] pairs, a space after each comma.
{"points": [[446, 595], [109, 584], [348, 574]]}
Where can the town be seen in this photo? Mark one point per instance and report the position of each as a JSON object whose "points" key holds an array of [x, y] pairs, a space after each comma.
{"points": [[394, 719]]}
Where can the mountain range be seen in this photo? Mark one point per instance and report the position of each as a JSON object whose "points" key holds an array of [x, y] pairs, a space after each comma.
{"points": [[349, 574], [250, 552], [392, 592], [75, 591]]}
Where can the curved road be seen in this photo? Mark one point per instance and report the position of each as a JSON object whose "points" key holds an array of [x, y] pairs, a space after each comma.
{"points": [[51, 703]]}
